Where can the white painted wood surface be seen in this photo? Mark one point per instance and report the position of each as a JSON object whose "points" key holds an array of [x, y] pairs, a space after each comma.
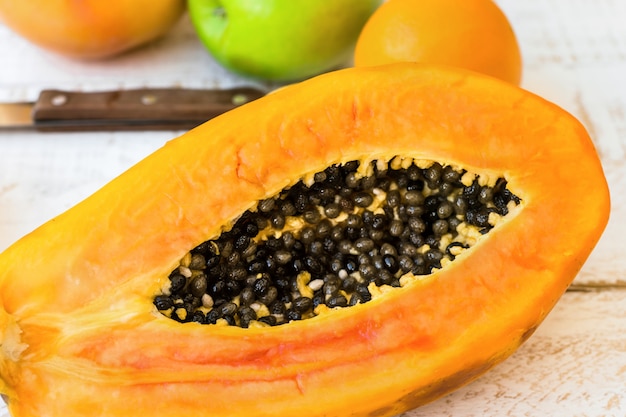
{"points": [[574, 54]]}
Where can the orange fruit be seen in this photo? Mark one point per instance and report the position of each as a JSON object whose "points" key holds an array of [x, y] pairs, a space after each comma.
{"points": [[471, 34]]}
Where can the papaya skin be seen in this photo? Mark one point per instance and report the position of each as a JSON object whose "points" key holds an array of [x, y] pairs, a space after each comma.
{"points": [[80, 333]]}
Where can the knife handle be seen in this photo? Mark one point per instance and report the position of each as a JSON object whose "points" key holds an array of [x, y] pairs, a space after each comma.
{"points": [[136, 109]]}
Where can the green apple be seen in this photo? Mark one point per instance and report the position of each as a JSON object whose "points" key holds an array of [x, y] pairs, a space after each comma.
{"points": [[280, 40]]}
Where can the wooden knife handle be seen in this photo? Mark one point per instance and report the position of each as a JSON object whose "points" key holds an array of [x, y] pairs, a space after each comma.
{"points": [[141, 109]]}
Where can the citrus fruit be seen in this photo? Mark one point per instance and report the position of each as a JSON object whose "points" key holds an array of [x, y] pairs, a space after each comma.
{"points": [[471, 34]]}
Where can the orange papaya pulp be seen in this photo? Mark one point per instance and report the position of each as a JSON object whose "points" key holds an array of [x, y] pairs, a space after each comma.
{"points": [[80, 334]]}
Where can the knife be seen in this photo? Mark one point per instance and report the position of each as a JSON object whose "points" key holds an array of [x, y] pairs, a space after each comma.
{"points": [[129, 109]]}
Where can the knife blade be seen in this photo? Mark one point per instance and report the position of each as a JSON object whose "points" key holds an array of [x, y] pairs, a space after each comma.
{"points": [[129, 109]]}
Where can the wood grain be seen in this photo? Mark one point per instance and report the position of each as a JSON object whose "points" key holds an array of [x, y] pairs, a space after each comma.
{"points": [[570, 367]]}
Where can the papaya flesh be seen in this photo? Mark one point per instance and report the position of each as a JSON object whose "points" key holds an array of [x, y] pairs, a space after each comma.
{"points": [[81, 333]]}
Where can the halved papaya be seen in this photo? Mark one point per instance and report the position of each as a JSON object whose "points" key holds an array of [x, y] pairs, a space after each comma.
{"points": [[456, 208]]}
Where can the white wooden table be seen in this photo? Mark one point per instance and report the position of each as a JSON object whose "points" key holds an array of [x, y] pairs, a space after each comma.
{"points": [[574, 54]]}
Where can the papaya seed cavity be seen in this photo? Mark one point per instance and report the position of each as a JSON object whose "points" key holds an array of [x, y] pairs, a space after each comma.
{"points": [[337, 238]]}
